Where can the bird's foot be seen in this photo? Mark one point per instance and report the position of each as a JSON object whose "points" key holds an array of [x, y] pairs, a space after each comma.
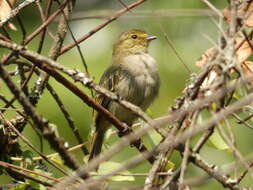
{"points": [[125, 130]]}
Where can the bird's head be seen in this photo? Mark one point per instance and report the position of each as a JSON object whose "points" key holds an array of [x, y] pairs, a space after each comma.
{"points": [[132, 42]]}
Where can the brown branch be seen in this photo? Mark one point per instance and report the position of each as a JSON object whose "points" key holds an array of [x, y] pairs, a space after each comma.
{"points": [[50, 155], [75, 41], [93, 104], [68, 118], [44, 17], [30, 144], [5, 164], [46, 23], [40, 122], [46, 64], [15, 11], [171, 141]]}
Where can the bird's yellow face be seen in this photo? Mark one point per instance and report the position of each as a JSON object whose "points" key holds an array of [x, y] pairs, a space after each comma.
{"points": [[132, 42]]}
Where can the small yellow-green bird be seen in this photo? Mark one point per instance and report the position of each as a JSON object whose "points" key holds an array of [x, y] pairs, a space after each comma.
{"points": [[133, 76]]}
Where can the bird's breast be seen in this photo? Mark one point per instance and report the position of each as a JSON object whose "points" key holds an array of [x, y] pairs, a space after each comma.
{"points": [[144, 69], [143, 66]]}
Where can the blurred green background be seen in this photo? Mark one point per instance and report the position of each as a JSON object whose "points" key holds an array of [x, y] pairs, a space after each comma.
{"points": [[189, 30]]}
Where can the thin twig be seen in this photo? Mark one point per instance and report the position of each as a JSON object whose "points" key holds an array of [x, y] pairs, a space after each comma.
{"points": [[15, 11], [102, 25], [30, 144], [8, 165], [40, 122]]}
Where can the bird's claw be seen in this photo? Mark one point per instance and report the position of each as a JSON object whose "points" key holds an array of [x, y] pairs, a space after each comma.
{"points": [[125, 130], [126, 127]]}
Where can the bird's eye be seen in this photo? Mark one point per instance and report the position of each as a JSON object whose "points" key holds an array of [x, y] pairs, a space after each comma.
{"points": [[134, 36]]}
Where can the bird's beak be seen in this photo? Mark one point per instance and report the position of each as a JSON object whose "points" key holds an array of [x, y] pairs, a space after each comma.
{"points": [[150, 38]]}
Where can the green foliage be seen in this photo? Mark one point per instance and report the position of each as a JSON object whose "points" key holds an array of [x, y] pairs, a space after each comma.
{"points": [[109, 166], [217, 142], [186, 33], [22, 186]]}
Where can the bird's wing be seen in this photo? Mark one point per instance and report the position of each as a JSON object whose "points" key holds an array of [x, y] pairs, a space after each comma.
{"points": [[112, 80], [117, 80]]}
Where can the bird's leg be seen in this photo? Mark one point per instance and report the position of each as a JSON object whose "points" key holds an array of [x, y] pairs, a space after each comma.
{"points": [[125, 130], [119, 98]]}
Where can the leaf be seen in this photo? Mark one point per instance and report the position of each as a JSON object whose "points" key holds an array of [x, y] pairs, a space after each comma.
{"points": [[244, 49], [244, 13], [5, 10], [22, 186], [28, 157], [57, 160], [210, 79], [42, 187], [208, 55], [35, 185], [243, 52], [151, 137], [247, 67], [217, 142], [107, 167], [170, 165], [149, 112]]}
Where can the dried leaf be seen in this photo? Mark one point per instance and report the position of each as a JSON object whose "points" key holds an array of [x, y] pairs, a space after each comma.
{"points": [[210, 79], [249, 21], [244, 50], [5, 10], [244, 13], [2, 37], [208, 55], [247, 67]]}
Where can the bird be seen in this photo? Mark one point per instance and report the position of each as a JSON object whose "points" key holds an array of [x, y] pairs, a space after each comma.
{"points": [[132, 76]]}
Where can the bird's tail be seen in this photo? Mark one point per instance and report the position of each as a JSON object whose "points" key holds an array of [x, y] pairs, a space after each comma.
{"points": [[97, 142], [98, 137]]}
